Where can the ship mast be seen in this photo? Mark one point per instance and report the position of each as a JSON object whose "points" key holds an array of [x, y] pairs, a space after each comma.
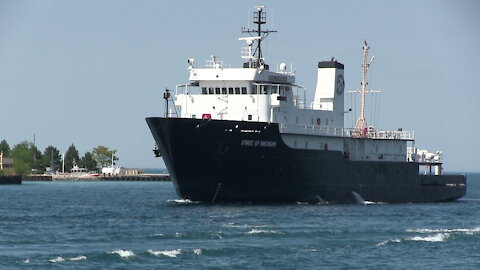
{"points": [[361, 123], [259, 18]]}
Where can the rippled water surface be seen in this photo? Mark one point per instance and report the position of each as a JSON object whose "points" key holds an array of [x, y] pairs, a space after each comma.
{"points": [[141, 225]]}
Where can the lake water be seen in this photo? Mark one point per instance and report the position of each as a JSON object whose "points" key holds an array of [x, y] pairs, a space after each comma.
{"points": [[141, 225]]}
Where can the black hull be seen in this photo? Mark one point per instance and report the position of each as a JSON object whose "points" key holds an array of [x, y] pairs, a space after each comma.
{"points": [[207, 162]]}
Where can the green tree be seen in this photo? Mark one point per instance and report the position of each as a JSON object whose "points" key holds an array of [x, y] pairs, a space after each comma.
{"points": [[103, 156], [52, 158], [25, 158], [5, 148], [88, 162], [71, 158]]}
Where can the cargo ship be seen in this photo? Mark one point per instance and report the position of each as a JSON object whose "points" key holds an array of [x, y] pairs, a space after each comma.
{"points": [[248, 134]]}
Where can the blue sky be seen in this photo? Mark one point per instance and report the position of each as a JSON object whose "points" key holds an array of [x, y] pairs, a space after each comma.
{"points": [[89, 72]]}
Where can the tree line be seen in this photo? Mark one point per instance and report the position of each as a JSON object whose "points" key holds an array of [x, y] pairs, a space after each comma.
{"points": [[28, 159]]}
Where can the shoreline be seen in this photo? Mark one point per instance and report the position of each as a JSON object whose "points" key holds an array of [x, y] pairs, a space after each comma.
{"points": [[136, 177]]}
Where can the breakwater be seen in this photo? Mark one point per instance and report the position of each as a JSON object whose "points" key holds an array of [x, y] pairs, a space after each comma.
{"points": [[10, 180]]}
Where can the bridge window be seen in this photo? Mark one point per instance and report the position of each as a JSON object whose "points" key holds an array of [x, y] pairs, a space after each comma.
{"points": [[224, 90], [244, 90], [217, 90], [204, 90], [210, 91], [274, 89], [254, 89], [237, 90], [265, 89], [230, 90]]}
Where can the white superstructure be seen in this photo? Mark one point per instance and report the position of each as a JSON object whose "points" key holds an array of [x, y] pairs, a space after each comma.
{"points": [[255, 93]]}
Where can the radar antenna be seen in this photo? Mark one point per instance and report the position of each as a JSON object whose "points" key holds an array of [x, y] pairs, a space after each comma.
{"points": [[259, 18], [361, 123]]}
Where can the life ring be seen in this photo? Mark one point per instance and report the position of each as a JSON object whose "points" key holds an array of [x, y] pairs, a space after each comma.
{"points": [[318, 121]]}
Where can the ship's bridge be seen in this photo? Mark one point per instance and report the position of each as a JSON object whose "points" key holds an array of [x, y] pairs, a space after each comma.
{"points": [[216, 72]]}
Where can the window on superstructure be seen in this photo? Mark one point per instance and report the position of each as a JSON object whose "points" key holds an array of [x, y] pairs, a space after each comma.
{"points": [[237, 90], [274, 89], [244, 90], [210, 91], [224, 90], [217, 90], [288, 88], [249, 117], [204, 90], [282, 90], [230, 90], [255, 89], [265, 89]]}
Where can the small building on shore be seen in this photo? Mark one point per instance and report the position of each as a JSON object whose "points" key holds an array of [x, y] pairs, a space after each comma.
{"points": [[5, 163], [115, 171]]}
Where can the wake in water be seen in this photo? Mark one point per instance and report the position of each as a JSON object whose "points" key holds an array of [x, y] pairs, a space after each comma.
{"points": [[359, 199], [433, 235], [182, 201]]}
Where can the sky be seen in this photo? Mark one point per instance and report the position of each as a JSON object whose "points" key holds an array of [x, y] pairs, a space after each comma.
{"points": [[89, 72]]}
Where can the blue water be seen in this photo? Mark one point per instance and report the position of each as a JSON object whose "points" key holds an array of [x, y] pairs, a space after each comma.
{"points": [[140, 225]]}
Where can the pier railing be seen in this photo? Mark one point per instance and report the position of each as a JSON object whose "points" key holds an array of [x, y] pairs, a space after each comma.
{"points": [[348, 132]]}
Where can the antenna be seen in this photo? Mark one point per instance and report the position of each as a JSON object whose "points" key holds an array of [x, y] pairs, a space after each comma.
{"points": [[361, 123], [259, 18]]}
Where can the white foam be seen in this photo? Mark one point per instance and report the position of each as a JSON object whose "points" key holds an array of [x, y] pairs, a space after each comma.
{"points": [[178, 234], [233, 225], [197, 251], [26, 261], [78, 258], [158, 235], [182, 201], [439, 237], [168, 253], [359, 199], [57, 259], [302, 203], [383, 243], [257, 231], [123, 253], [460, 230]]}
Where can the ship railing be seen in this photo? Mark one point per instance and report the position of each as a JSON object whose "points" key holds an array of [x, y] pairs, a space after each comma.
{"points": [[347, 132]]}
